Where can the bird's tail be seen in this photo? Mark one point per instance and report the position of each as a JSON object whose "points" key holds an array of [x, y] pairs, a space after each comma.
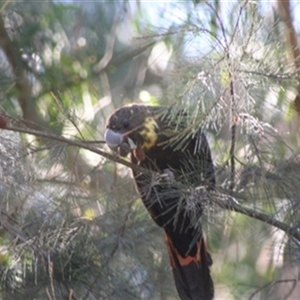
{"points": [[191, 272]]}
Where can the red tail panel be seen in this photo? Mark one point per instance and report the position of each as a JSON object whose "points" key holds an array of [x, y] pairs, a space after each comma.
{"points": [[191, 273]]}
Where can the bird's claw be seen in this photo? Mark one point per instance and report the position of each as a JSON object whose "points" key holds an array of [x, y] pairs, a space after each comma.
{"points": [[166, 177]]}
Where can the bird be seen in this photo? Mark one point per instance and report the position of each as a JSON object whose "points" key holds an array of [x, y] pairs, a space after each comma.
{"points": [[174, 160]]}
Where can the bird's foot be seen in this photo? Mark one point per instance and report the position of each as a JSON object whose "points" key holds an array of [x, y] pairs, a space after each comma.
{"points": [[165, 178]]}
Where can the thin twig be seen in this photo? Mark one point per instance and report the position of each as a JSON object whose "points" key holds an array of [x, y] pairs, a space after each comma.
{"points": [[229, 203], [233, 134], [80, 144], [121, 233], [4, 5], [233, 104], [294, 281]]}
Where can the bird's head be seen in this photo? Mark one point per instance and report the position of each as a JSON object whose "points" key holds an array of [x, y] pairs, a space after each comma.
{"points": [[132, 129]]}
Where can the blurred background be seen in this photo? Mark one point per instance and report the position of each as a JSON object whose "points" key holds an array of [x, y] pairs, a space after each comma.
{"points": [[72, 225]]}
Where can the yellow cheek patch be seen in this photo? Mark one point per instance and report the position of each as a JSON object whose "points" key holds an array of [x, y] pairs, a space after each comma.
{"points": [[149, 133]]}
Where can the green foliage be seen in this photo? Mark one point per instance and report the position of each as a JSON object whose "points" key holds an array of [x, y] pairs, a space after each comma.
{"points": [[71, 223]]}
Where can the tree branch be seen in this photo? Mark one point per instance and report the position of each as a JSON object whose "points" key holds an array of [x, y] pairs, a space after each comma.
{"points": [[222, 200], [229, 203], [79, 143], [22, 83]]}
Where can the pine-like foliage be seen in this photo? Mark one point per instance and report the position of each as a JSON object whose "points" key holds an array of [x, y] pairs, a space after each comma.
{"points": [[72, 225]]}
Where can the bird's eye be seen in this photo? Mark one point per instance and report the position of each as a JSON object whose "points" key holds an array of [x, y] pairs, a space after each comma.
{"points": [[126, 123]]}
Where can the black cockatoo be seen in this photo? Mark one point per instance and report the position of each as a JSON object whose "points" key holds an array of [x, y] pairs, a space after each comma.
{"points": [[163, 142]]}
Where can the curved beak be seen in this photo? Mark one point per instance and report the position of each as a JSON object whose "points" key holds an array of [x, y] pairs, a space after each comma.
{"points": [[113, 139], [117, 142]]}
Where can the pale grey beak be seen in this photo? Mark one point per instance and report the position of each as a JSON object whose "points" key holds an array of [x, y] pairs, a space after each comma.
{"points": [[113, 139], [117, 142]]}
